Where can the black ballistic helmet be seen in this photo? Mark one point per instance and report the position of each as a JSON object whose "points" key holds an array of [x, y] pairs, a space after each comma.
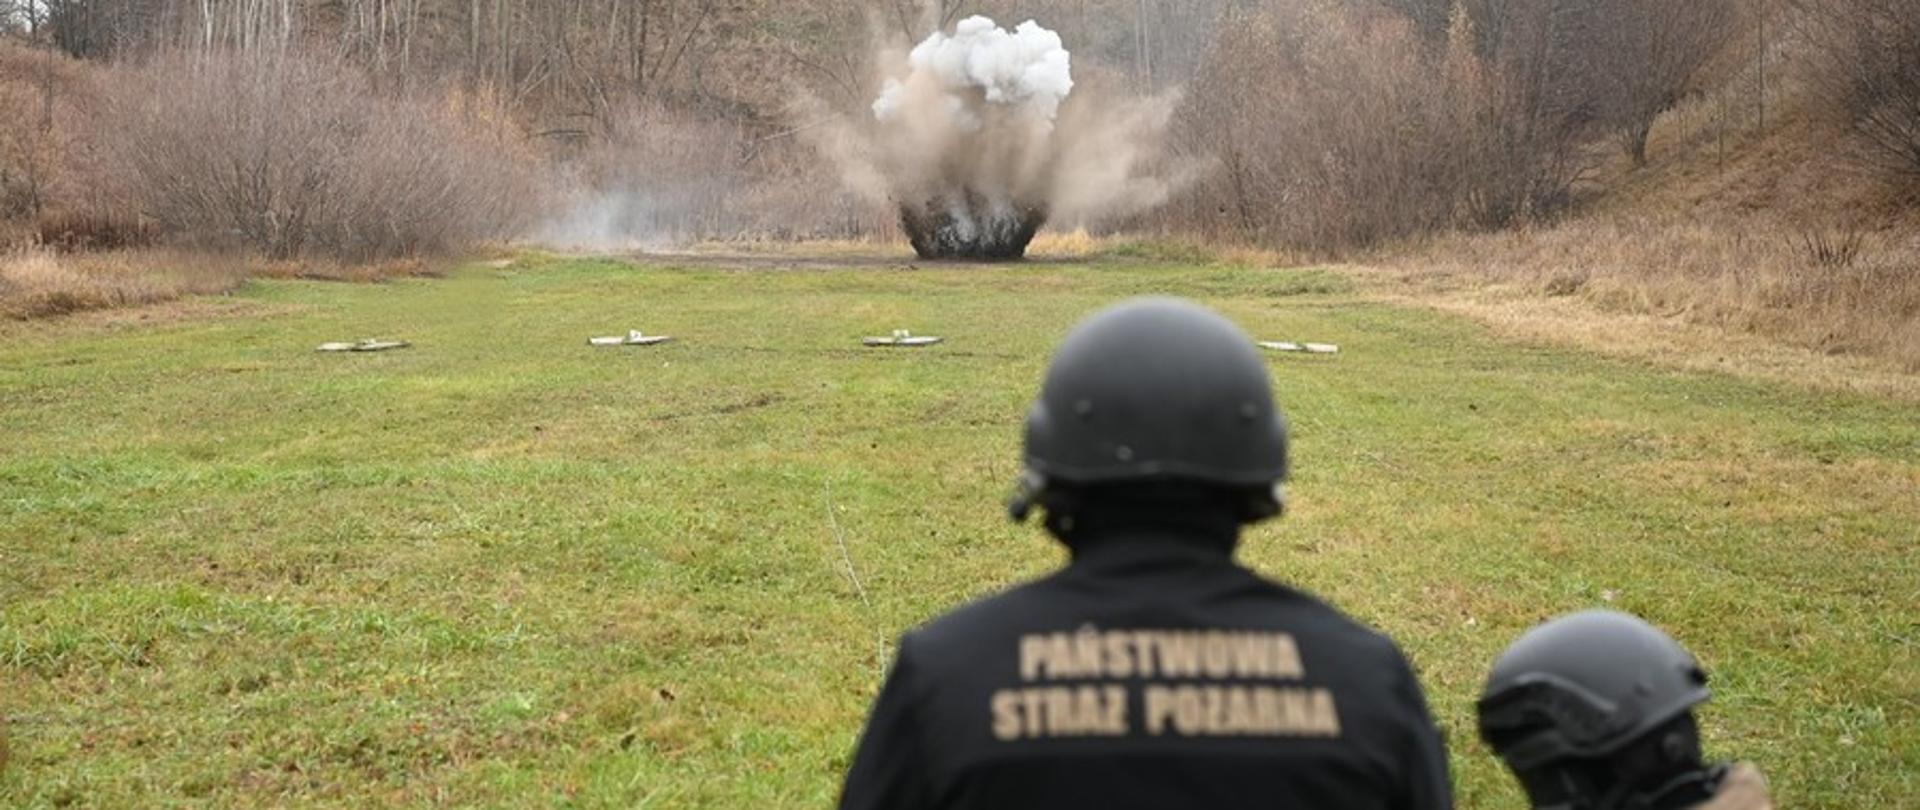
{"points": [[1594, 710], [1156, 390]]}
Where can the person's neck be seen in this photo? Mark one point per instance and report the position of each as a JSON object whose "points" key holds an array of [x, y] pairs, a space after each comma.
{"points": [[1110, 530]]}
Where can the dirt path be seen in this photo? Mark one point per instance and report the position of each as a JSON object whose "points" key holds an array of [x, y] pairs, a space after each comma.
{"points": [[878, 259]]}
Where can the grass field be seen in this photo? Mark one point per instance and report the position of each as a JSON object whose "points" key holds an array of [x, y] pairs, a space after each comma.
{"points": [[504, 568]]}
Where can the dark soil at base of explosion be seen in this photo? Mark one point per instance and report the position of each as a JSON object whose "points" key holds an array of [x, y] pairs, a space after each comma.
{"points": [[983, 235]]}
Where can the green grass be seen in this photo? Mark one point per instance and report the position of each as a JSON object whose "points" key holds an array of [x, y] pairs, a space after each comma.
{"points": [[505, 568]]}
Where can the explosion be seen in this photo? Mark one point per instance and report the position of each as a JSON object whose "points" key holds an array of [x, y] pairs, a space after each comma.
{"points": [[974, 142], [989, 97]]}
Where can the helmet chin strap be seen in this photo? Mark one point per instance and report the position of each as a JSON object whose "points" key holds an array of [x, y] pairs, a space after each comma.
{"points": [[1686, 790], [1690, 789]]}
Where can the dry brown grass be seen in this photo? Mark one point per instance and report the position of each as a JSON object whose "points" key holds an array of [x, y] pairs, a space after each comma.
{"points": [[1074, 244], [71, 231], [363, 272], [1754, 277], [38, 283], [15, 236]]}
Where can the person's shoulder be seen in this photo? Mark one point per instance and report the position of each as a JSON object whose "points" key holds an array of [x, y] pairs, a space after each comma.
{"points": [[965, 628], [1744, 788], [1308, 612]]}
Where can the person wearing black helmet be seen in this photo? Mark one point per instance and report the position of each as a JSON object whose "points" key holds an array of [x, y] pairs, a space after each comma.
{"points": [[1594, 711], [1152, 671]]}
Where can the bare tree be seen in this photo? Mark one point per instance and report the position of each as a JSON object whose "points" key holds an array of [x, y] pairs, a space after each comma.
{"points": [[27, 147], [1649, 52], [1541, 100], [1872, 65]]}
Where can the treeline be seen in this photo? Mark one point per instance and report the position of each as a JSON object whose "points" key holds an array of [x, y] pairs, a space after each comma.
{"points": [[282, 155], [366, 130], [373, 128], [1340, 125], [1335, 125], [540, 53]]}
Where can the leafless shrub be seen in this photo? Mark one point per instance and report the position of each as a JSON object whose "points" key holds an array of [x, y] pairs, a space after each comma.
{"points": [[1318, 139], [292, 156], [1832, 250]]}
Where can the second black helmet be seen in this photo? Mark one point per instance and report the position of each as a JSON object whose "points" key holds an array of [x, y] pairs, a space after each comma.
{"points": [[1593, 711]]}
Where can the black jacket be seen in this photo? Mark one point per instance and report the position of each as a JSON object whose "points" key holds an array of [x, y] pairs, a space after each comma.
{"points": [[1152, 672]]}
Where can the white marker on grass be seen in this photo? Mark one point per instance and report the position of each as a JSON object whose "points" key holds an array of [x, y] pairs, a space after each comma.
{"points": [[1299, 348], [902, 338], [633, 338], [366, 345]]}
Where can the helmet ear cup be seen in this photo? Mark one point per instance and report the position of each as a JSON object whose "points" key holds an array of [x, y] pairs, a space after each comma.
{"points": [[1261, 505], [1027, 494], [1674, 748], [1061, 505]]}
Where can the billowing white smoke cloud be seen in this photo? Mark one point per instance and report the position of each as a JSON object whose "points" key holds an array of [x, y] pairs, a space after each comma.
{"points": [[972, 138], [1028, 69]]}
